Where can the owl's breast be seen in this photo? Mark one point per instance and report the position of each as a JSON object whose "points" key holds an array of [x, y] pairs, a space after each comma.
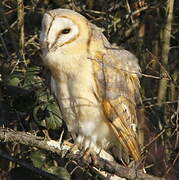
{"points": [[77, 90], [81, 109]]}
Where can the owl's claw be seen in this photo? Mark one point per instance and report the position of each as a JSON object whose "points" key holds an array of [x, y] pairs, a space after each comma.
{"points": [[89, 155], [71, 148]]}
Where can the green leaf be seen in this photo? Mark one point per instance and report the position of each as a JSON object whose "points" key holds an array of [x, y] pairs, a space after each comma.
{"points": [[53, 117], [42, 95], [39, 115], [14, 81], [38, 158], [48, 116], [61, 172], [31, 77]]}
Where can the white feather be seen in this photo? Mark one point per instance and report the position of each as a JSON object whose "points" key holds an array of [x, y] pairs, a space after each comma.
{"points": [[58, 25]]}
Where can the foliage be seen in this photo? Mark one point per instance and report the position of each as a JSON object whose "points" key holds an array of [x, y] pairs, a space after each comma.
{"points": [[26, 103]]}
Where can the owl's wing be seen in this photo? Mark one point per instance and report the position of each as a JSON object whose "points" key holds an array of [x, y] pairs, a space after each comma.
{"points": [[116, 73]]}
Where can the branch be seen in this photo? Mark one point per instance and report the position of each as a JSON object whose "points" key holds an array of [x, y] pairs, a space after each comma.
{"points": [[165, 49], [9, 135], [20, 14]]}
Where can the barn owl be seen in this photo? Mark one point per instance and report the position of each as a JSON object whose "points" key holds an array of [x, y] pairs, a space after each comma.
{"points": [[96, 85]]}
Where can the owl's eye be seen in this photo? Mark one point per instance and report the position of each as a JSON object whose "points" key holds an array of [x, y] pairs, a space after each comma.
{"points": [[66, 31]]}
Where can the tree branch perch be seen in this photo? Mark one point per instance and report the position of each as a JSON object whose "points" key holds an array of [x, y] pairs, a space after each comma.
{"points": [[9, 135]]}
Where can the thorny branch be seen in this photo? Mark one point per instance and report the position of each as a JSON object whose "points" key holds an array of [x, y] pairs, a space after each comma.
{"points": [[9, 135]]}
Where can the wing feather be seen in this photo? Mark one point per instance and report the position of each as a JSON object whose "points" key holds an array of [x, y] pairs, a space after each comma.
{"points": [[116, 73]]}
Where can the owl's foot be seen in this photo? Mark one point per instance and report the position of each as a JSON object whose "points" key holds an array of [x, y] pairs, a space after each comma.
{"points": [[74, 148], [70, 148], [89, 155]]}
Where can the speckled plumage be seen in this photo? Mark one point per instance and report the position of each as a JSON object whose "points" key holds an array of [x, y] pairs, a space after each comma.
{"points": [[95, 84]]}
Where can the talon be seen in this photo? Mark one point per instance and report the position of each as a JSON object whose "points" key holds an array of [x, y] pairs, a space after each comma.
{"points": [[73, 149], [86, 154], [68, 147], [90, 155]]}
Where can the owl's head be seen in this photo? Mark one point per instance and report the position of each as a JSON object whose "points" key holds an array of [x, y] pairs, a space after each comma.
{"points": [[63, 28]]}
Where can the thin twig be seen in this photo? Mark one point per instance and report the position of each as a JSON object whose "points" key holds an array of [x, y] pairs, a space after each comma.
{"points": [[161, 103], [154, 139]]}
